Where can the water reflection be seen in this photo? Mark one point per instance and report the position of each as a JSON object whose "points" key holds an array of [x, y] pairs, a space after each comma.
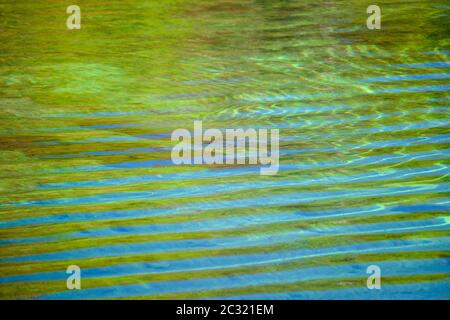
{"points": [[85, 131]]}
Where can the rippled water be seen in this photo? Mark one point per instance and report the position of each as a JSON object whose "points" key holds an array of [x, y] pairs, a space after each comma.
{"points": [[87, 179]]}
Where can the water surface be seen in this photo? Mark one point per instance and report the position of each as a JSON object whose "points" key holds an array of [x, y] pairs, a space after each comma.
{"points": [[86, 117]]}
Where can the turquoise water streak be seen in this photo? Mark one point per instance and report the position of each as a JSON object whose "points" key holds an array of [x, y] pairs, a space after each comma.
{"points": [[87, 177]]}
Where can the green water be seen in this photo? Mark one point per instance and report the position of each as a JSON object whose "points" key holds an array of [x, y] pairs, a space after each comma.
{"points": [[87, 179]]}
